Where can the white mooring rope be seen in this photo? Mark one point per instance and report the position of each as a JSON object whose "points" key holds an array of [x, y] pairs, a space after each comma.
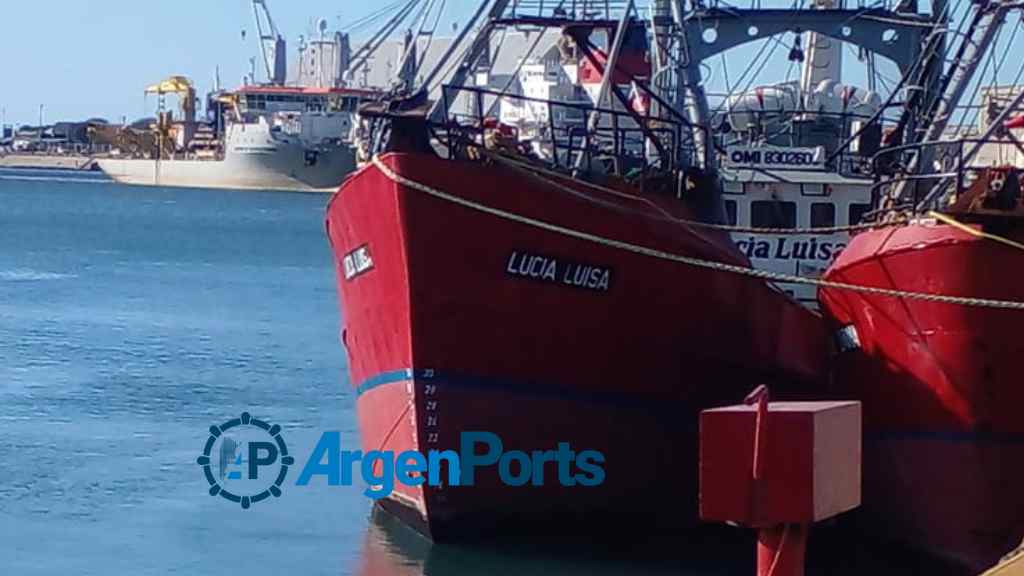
{"points": [[697, 262]]}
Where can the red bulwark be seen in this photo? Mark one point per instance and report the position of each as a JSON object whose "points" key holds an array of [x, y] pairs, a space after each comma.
{"points": [[811, 463]]}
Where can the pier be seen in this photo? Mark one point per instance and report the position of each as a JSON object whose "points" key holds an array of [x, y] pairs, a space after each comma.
{"points": [[47, 162]]}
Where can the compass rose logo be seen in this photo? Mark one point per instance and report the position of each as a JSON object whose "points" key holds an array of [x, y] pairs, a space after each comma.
{"points": [[245, 460]]}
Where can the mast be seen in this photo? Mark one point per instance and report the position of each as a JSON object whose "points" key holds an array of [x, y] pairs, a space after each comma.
{"points": [[690, 91], [407, 68], [661, 72], [824, 59]]}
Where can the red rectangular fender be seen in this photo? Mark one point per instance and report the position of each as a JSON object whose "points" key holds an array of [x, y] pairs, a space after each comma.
{"points": [[810, 465]]}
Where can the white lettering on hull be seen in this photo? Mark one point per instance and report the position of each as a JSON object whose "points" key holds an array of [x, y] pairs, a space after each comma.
{"points": [[548, 269], [790, 249], [356, 262]]}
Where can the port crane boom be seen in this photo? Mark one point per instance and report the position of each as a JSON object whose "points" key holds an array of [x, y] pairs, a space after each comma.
{"points": [[272, 44]]}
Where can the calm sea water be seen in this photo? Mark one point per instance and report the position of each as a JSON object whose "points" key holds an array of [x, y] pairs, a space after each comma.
{"points": [[131, 319]]}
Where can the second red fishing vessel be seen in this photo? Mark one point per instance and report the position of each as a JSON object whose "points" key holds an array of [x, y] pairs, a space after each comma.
{"points": [[930, 334], [940, 381]]}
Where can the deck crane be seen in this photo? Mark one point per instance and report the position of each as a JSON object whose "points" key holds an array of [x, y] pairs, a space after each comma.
{"points": [[272, 44], [164, 130], [183, 88]]}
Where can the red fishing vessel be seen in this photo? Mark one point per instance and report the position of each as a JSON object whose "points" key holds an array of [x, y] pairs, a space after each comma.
{"points": [[463, 313], [929, 332], [940, 377], [550, 293]]}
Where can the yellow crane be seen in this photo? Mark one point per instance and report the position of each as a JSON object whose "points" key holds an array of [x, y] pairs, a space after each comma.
{"points": [[183, 88], [160, 140], [165, 129]]}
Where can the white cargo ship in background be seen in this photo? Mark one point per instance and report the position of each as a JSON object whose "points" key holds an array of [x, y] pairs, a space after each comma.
{"points": [[262, 136], [272, 137]]}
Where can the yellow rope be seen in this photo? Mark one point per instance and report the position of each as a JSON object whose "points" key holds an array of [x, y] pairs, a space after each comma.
{"points": [[945, 219], [697, 262]]}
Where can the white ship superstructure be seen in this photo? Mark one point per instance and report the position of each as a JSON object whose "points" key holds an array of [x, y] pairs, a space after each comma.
{"points": [[777, 175], [789, 186]]}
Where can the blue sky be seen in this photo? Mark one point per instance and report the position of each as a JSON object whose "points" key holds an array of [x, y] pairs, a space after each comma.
{"points": [[83, 59]]}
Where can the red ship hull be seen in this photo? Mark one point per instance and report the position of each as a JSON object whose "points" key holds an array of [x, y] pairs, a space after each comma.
{"points": [[448, 332], [941, 386]]}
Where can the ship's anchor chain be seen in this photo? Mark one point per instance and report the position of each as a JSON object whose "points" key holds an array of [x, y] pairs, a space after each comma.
{"points": [[697, 262]]}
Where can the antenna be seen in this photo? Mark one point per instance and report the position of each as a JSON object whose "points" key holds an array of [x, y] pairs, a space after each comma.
{"points": [[321, 26]]}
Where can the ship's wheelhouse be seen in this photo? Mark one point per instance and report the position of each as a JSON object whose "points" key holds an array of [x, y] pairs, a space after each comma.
{"points": [[796, 203], [269, 102]]}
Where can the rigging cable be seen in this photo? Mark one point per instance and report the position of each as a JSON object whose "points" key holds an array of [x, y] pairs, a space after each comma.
{"points": [[519, 66], [931, 48], [423, 17], [771, 41], [995, 76], [963, 125], [360, 23], [774, 42], [1020, 70], [430, 36]]}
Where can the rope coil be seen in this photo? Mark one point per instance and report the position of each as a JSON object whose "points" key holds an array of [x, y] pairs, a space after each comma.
{"points": [[696, 262]]}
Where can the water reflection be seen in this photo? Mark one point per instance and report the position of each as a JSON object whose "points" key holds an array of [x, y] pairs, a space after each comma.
{"points": [[392, 549]]}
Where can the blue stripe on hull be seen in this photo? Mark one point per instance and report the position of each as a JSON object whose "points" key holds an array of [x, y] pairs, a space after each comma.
{"points": [[538, 389], [382, 379]]}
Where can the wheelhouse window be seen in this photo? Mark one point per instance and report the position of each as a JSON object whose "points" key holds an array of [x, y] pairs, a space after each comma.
{"points": [[857, 212], [772, 214], [256, 102], [730, 211], [315, 104], [823, 215]]}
